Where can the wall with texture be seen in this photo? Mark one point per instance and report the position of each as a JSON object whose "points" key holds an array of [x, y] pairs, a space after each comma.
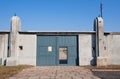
{"points": [[114, 48], [86, 49], [3, 47], [27, 49]]}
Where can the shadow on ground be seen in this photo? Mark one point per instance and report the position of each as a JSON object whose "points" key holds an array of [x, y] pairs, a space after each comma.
{"points": [[107, 74]]}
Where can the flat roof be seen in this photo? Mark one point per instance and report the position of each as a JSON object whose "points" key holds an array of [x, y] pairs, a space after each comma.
{"points": [[4, 32], [57, 32]]}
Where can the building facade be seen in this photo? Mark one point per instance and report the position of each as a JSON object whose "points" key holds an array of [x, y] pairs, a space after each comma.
{"points": [[57, 48]]}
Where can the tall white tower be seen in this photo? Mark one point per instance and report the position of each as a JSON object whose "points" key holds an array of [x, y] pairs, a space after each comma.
{"points": [[99, 28], [14, 34], [101, 58], [14, 41]]}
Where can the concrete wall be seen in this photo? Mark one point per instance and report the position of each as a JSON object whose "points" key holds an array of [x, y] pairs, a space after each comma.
{"points": [[27, 49], [114, 49], [86, 49], [3, 48]]}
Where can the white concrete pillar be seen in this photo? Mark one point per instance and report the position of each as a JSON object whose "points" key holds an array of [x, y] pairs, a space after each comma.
{"points": [[100, 52], [99, 36], [14, 40], [14, 35]]}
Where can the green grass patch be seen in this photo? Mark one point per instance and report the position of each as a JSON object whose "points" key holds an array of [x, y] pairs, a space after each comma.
{"points": [[8, 71]]}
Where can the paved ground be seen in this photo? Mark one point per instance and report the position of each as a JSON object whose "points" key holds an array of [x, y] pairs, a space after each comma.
{"points": [[107, 74], [55, 72]]}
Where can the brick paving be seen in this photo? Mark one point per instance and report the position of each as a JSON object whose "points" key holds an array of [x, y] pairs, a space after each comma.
{"points": [[55, 72]]}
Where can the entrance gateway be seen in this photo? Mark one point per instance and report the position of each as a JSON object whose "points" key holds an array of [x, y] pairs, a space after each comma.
{"points": [[57, 50]]}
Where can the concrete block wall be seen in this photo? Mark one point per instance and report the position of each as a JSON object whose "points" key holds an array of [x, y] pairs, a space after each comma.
{"points": [[27, 49], [3, 48], [86, 53], [106, 46], [114, 49]]}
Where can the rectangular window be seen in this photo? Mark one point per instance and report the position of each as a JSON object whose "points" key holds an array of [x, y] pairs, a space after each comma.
{"points": [[63, 55]]}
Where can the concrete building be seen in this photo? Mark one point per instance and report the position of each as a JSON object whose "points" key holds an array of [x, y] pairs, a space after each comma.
{"points": [[53, 48]]}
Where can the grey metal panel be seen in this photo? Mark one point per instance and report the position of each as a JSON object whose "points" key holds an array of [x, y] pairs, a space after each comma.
{"points": [[46, 40], [46, 61], [72, 55], [44, 50], [44, 57], [66, 40], [71, 43]]}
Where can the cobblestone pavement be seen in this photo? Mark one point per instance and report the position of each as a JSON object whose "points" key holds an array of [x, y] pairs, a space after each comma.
{"points": [[55, 72]]}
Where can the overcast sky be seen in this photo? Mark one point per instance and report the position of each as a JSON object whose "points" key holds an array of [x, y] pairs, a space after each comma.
{"points": [[60, 14]]}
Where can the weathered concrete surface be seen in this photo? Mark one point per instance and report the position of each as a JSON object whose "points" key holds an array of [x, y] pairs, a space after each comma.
{"points": [[114, 49], [55, 72], [3, 47], [85, 49], [14, 35], [102, 61], [14, 41], [100, 36], [27, 54]]}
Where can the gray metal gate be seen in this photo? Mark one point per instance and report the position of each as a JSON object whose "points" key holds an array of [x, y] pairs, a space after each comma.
{"points": [[56, 50]]}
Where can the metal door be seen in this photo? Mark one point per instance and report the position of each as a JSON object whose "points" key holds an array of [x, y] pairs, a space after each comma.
{"points": [[56, 50], [70, 43], [46, 50]]}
